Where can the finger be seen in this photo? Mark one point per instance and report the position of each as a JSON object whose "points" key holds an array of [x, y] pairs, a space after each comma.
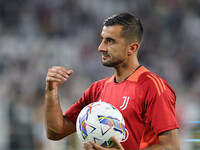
{"points": [[115, 140], [117, 143], [64, 70], [53, 75], [59, 72], [96, 146], [68, 72], [87, 147], [51, 79], [60, 68]]}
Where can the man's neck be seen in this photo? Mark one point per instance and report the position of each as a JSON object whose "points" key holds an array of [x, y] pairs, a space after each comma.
{"points": [[123, 73]]}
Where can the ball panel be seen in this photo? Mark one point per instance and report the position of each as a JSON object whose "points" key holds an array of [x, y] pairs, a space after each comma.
{"points": [[94, 124]]}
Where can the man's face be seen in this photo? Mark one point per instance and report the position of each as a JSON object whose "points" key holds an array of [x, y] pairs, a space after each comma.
{"points": [[113, 47]]}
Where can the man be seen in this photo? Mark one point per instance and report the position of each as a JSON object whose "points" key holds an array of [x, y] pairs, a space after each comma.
{"points": [[149, 109]]}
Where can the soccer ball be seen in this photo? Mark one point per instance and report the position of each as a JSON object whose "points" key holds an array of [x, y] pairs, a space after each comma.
{"points": [[98, 122]]}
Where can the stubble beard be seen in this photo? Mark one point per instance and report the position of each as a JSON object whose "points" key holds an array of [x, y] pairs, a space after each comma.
{"points": [[110, 63]]}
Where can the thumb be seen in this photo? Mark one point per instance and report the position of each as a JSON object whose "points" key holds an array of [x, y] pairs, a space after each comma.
{"points": [[69, 72], [117, 143]]}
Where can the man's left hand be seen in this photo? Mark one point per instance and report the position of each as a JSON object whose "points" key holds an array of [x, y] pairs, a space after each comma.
{"points": [[117, 146]]}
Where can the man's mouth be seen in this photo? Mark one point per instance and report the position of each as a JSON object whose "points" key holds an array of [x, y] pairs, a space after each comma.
{"points": [[105, 55]]}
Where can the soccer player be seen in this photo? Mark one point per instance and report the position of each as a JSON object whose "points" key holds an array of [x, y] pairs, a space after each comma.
{"points": [[146, 101]]}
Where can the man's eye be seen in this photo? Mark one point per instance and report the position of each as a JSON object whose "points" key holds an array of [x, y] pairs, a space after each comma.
{"points": [[110, 40]]}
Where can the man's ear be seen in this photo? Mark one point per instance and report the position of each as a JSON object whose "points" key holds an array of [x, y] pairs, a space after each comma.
{"points": [[133, 48]]}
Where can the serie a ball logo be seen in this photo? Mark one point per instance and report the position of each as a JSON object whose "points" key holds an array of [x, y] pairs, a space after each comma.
{"points": [[98, 122]]}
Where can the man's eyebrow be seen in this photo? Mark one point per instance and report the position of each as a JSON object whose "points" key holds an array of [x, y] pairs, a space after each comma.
{"points": [[110, 38], [107, 38]]}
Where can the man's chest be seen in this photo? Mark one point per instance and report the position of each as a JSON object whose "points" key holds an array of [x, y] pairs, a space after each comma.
{"points": [[125, 97]]}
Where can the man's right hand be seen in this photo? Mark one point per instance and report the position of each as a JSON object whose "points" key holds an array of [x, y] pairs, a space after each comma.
{"points": [[56, 76], [57, 126]]}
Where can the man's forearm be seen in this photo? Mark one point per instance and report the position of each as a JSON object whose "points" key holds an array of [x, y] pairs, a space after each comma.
{"points": [[157, 147], [57, 126], [53, 112], [168, 140]]}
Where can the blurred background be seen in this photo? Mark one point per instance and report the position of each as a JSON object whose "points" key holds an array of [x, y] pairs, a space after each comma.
{"points": [[36, 35]]}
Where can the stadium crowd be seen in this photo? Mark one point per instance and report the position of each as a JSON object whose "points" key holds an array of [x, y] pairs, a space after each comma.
{"points": [[36, 35]]}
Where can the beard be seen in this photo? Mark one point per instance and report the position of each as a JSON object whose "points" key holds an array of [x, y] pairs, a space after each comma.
{"points": [[110, 61]]}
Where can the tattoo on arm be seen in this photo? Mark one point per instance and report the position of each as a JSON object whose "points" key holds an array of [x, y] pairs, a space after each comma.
{"points": [[167, 133], [168, 140]]}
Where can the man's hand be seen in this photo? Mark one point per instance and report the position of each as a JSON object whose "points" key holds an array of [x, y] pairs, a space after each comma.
{"points": [[117, 146], [57, 126], [56, 76]]}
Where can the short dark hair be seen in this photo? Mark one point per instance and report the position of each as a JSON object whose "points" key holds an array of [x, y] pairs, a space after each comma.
{"points": [[132, 29]]}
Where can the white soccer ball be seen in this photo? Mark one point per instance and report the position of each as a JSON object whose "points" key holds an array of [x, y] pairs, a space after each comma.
{"points": [[98, 122]]}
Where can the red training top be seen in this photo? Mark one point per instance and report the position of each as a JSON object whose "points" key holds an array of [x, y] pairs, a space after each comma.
{"points": [[146, 101]]}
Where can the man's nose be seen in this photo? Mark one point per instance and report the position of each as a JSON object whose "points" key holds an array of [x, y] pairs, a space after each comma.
{"points": [[102, 47]]}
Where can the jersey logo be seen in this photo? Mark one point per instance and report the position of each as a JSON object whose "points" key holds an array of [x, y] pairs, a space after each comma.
{"points": [[125, 103], [89, 107]]}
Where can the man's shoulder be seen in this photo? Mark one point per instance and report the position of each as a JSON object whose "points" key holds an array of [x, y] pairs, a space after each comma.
{"points": [[104, 81], [141, 75], [148, 77], [152, 81], [100, 83]]}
